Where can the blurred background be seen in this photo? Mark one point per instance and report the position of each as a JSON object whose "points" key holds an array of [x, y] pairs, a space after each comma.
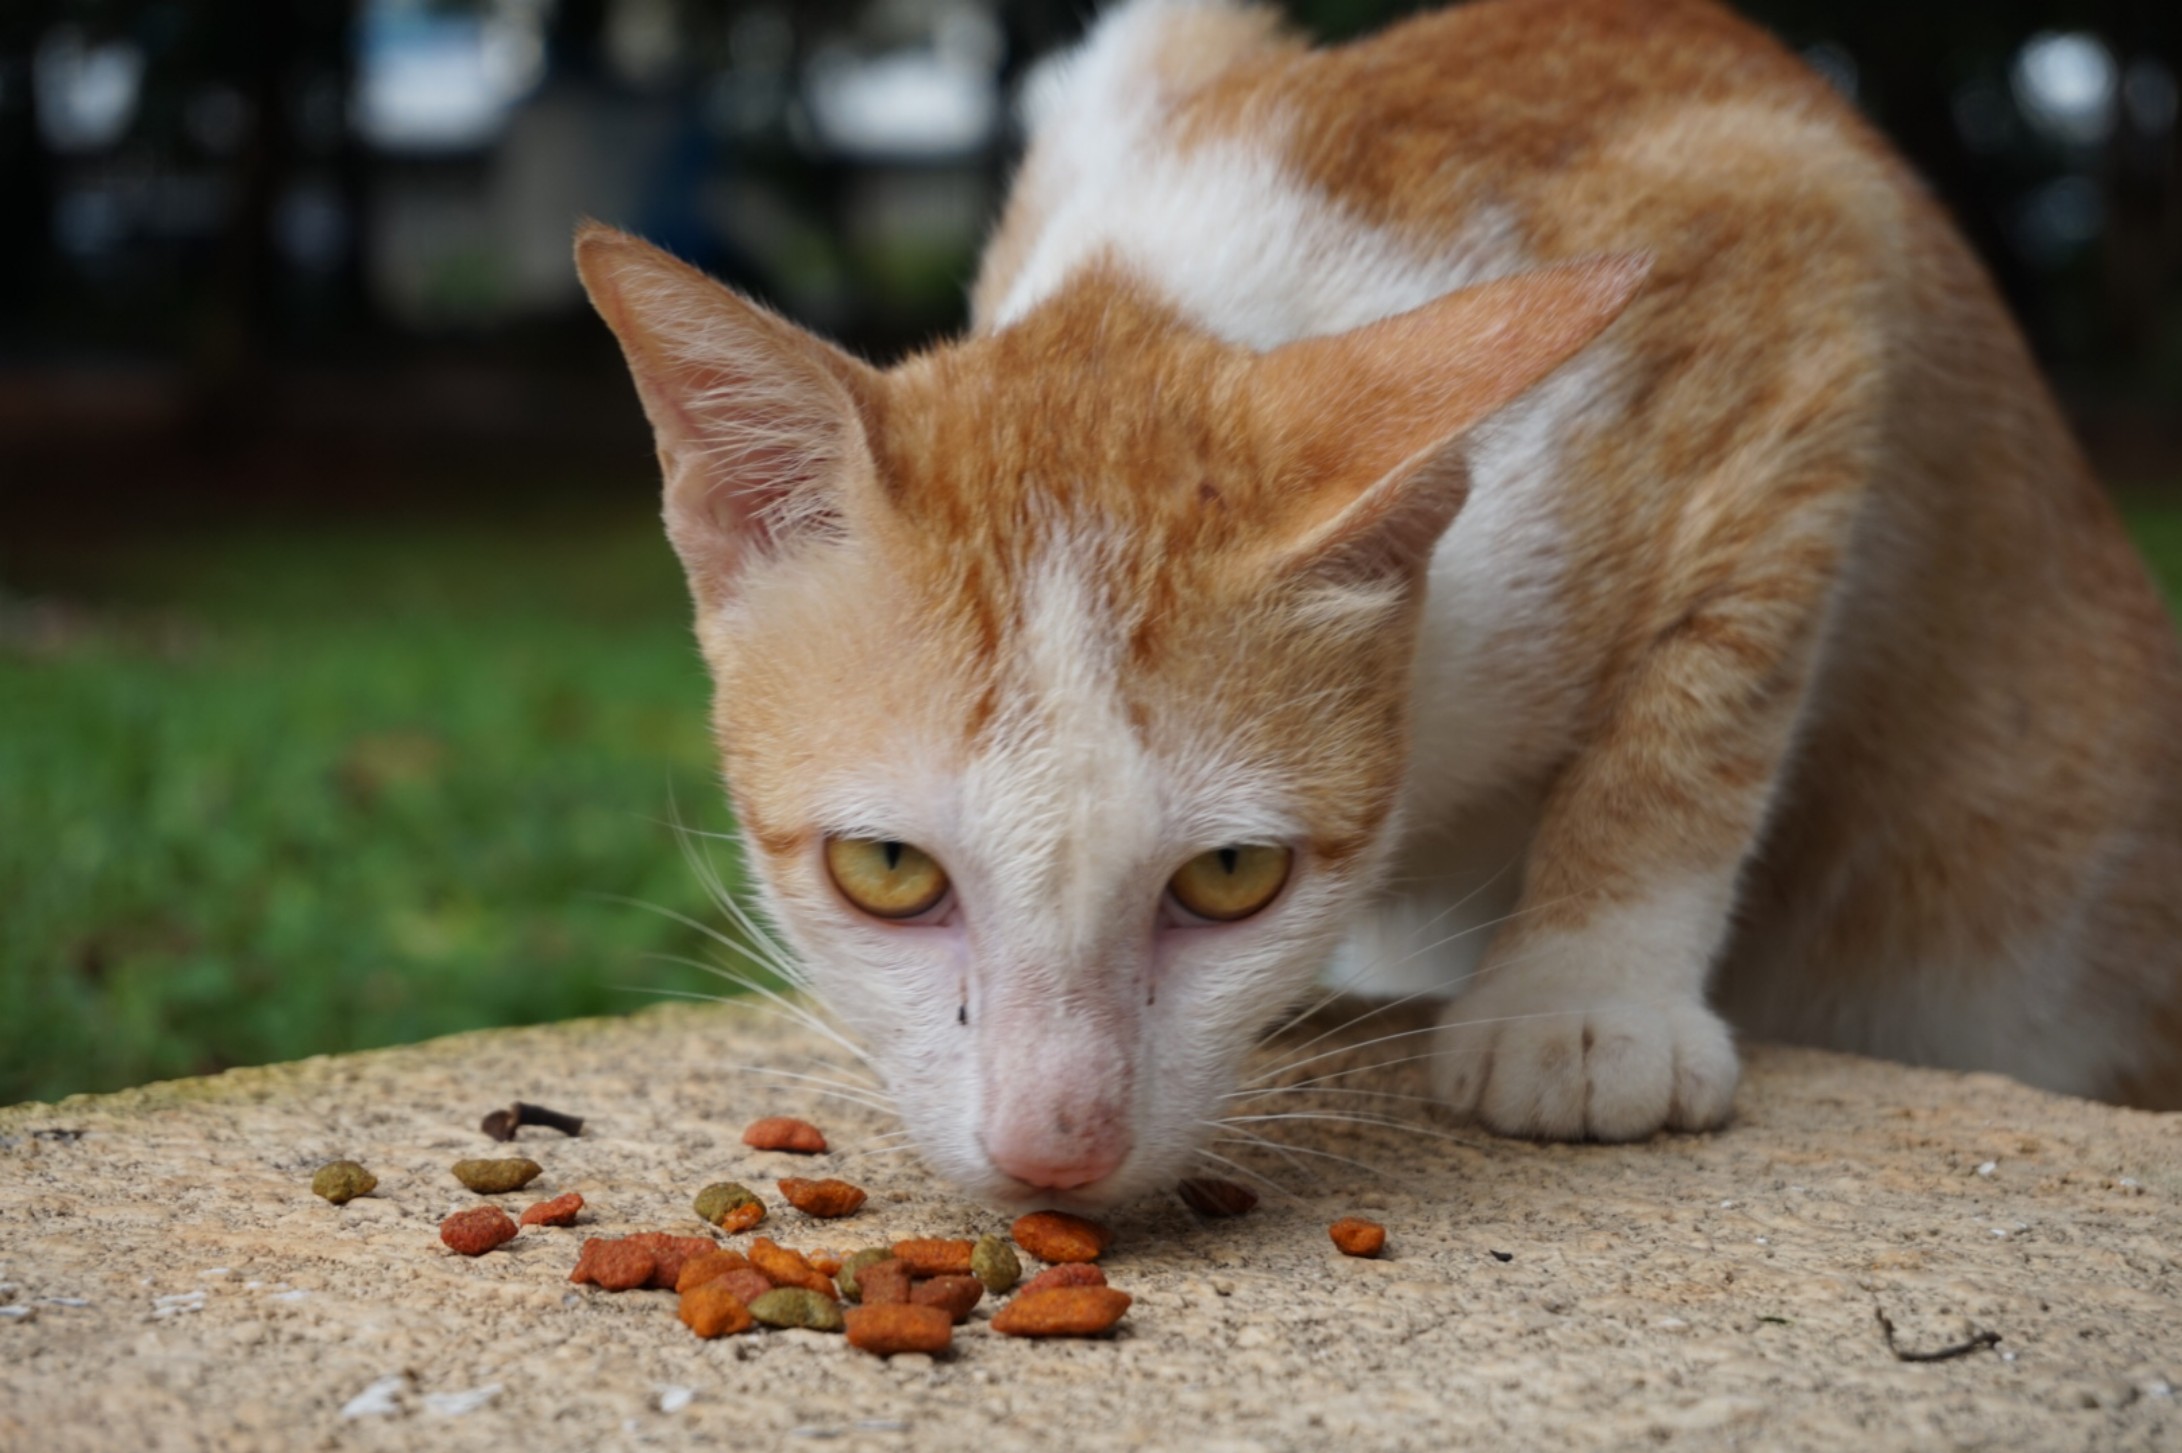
{"points": [[345, 688]]}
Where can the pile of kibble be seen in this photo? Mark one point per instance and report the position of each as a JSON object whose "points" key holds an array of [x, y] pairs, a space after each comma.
{"points": [[906, 1297]]}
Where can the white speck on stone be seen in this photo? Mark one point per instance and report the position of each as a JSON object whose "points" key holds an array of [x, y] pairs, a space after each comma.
{"points": [[1727, 1205], [882, 1425], [71, 1301], [2158, 1387], [1988, 1167], [2001, 1232], [1670, 1324], [455, 1404], [211, 1272], [2007, 1357], [295, 1295], [814, 1430], [1762, 1241], [251, 1286], [674, 1399], [15, 1314], [382, 1399], [175, 1303], [2127, 1183]]}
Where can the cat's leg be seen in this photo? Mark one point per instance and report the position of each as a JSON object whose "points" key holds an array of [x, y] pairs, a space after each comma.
{"points": [[1588, 1017]]}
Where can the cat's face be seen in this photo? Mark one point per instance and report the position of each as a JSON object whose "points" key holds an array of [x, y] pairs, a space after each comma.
{"points": [[1062, 683]]}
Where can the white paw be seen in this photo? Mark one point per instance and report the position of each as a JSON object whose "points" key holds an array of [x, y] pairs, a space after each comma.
{"points": [[1616, 1071]]}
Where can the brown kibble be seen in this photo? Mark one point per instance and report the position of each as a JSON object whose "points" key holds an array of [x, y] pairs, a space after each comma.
{"points": [[934, 1256], [797, 1307], [1067, 1274], [900, 1327], [845, 1278], [824, 1261], [560, 1211], [724, 1202], [884, 1283], [824, 1199], [1058, 1236], [1209, 1197], [613, 1264], [1357, 1237], [784, 1132], [670, 1254], [994, 1262], [955, 1295], [477, 1230], [785, 1268], [342, 1181], [711, 1310], [711, 1266], [748, 1284], [1062, 1312], [496, 1177]]}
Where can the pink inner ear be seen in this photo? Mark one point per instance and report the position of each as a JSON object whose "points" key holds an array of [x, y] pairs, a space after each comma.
{"points": [[1367, 415]]}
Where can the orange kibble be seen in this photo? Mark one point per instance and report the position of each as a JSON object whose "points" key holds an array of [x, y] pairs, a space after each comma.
{"points": [[894, 1327], [785, 1132], [1062, 1312], [884, 1283], [785, 1268], [955, 1295], [1357, 1237], [1067, 1274], [560, 1211], [743, 1217], [1058, 1236], [613, 1264], [824, 1261], [669, 1253], [711, 1310], [477, 1230], [824, 1199], [710, 1267], [933, 1256], [748, 1284]]}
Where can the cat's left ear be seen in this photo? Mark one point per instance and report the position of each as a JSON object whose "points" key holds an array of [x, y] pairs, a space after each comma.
{"points": [[760, 425], [1371, 419]]}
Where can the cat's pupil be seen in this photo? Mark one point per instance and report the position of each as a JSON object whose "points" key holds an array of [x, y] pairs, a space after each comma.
{"points": [[893, 853], [1228, 858]]}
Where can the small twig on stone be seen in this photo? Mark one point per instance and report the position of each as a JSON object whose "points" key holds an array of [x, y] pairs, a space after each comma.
{"points": [[1978, 1342], [502, 1124]]}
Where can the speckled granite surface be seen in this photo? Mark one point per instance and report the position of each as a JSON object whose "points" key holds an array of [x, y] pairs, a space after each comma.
{"points": [[168, 1281]]}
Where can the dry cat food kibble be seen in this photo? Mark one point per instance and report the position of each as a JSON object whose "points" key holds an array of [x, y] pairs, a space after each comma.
{"points": [[824, 1262], [796, 1307], [496, 1177], [784, 1132], [1067, 1274], [342, 1181], [477, 1230], [994, 1262], [1058, 1236], [711, 1266], [825, 1199], [560, 1211], [670, 1254], [1062, 1312], [900, 1327], [613, 1265], [748, 1284], [730, 1207], [934, 1256], [785, 1268], [1357, 1237], [853, 1267], [955, 1295], [1208, 1197], [884, 1283], [711, 1310]]}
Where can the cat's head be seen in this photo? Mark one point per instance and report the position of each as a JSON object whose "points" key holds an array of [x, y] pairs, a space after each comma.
{"points": [[1062, 672]]}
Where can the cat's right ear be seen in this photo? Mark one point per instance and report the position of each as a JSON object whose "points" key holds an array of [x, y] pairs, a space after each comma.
{"points": [[759, 424]]}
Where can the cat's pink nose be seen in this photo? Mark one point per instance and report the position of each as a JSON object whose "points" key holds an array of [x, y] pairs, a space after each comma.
{"points": [[1070, 1169]]}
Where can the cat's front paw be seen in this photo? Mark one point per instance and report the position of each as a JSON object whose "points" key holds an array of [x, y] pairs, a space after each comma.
{"points": [[1611, 1072]]}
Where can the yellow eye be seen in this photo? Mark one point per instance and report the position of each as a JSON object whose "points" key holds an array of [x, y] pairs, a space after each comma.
{"points": [[886, 879], [1230, 883]]}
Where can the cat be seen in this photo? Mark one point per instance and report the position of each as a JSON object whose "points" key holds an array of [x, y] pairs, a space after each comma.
{"points": [[1537, 506]]}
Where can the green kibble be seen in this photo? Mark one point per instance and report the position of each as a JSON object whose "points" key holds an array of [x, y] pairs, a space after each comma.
{"points": [[716, 1200], [845, 1278], [993, 1262], [342, 1181], [492, 1177], [797, 1307]]}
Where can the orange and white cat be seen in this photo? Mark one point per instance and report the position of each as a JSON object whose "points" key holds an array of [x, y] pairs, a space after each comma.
{"points": [[1537, 505]]}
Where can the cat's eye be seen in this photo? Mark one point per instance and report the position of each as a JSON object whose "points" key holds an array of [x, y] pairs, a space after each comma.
{"points": [[885, 878], [1230, 883]]}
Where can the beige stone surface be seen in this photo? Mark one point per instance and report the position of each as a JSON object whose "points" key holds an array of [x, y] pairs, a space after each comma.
{"points": [[168, 1280]]}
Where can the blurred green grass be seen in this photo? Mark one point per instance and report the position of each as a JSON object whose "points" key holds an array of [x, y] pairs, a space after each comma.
{"points": [[270, 795]]}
